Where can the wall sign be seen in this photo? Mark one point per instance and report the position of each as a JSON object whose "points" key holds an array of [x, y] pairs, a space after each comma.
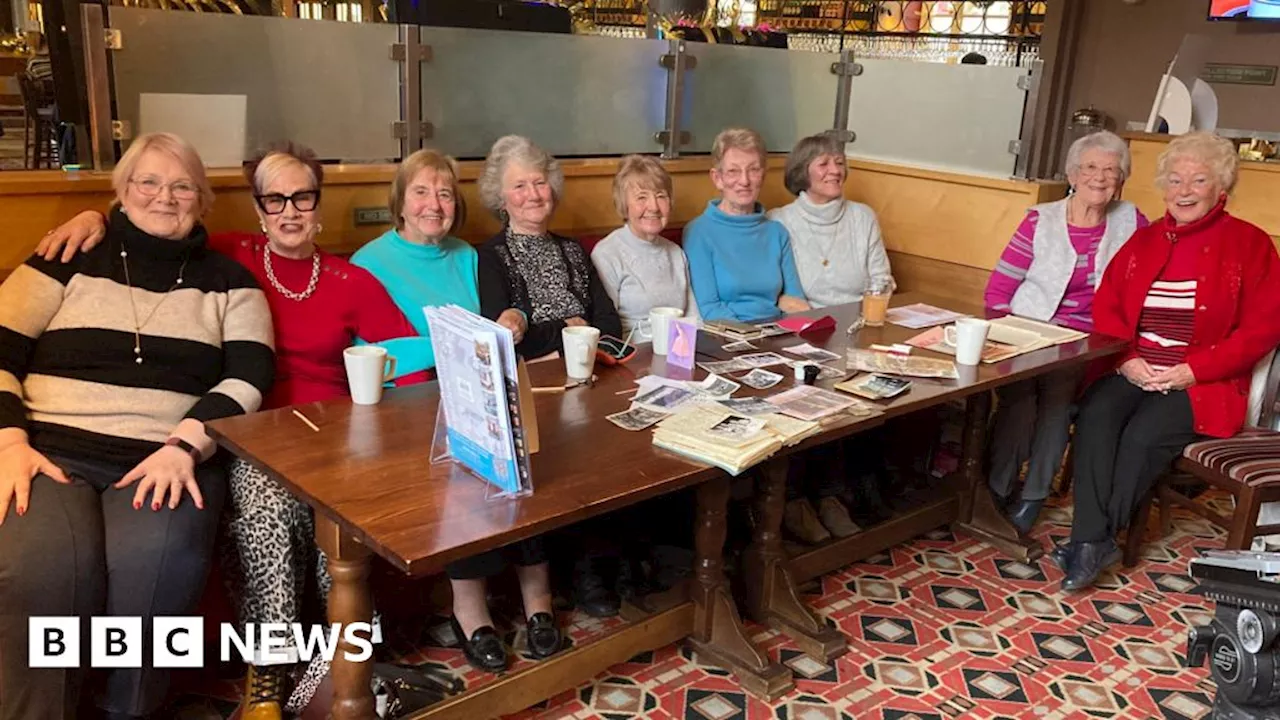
{"points": [[1223, 73], [373, 216]]}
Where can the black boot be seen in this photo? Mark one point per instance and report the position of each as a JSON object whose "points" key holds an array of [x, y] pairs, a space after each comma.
{"points": [[1024, 514], [593, 593], [1062, 555], [1091, 558]]}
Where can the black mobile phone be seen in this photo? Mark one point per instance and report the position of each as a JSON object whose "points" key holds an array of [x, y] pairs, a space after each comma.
{"points": [[613, 350]]}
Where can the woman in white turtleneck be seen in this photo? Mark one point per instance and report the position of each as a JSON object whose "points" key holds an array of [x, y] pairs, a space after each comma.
{"points": [[638, 267], [836, 242]]}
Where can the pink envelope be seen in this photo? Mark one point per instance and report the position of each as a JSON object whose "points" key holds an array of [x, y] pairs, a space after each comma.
{"points": [[800, 325]]}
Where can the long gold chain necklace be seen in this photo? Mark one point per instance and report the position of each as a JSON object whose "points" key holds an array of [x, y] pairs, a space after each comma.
{"points": [[137, 326]]}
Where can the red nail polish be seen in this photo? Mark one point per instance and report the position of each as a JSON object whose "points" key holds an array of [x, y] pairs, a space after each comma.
{"points": [[137, 505], [22, 511], [155, 507]]}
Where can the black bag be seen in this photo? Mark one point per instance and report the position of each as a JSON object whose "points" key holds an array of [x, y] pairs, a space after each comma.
{"points": [[410, 689]]}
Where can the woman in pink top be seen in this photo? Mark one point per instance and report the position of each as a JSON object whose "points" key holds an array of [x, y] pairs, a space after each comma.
{"points": [[1049, 272]]}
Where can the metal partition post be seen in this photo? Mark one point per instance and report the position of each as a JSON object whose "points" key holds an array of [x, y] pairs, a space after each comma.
{"points": [[101, 141], [410, 53], [1025, 146], [845, 70], [677, 62]]}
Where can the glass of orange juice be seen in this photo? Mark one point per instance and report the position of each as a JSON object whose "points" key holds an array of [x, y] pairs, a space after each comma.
{"points": [[875, 302]]}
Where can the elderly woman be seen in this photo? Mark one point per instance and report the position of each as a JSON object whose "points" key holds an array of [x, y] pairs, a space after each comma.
{"points": [[1049, 272], [739, 260], [529, 275], [837, 244], [110, 365], [320, 305], [639, 268], [1197, 294]]}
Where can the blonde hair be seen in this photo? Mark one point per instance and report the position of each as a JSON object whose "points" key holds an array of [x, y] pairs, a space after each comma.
{"points": [[425, 159], [1216, 152], [269, 162], [640, 171], [521, 150], [744, 139], [176, 148]]}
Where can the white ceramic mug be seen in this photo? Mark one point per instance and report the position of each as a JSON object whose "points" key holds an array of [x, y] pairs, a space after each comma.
{"points": [[368, 367], [580, 343], [659, 319], [968, 336]]}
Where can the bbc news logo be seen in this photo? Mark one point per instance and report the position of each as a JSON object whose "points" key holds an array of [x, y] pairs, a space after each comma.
{"points": [[178, 642]]}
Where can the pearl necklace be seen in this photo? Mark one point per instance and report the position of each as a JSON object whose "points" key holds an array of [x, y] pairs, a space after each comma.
{"points": [[137, 326], [271, 275]]}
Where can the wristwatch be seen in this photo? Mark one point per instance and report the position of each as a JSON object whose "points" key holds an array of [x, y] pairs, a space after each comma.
{"points": [[185, 447]]}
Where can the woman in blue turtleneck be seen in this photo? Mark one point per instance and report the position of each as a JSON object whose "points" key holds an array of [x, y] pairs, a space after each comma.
{"points": [[740, 262]]}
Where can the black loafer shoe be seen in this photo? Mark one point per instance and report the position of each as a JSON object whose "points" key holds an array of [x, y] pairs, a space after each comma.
{"points": [[1091, 558], [1024, 514], [544, 637], [484, 649]]}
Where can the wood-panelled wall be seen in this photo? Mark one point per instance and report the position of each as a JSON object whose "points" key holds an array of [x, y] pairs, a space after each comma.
{"points": [[944, 231], [1256, 197]]}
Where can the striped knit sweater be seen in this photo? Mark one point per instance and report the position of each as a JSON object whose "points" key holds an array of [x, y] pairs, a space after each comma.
{"points": [[69, 375]]}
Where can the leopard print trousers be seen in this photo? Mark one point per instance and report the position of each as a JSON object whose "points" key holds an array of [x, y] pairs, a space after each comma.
{"points": [[271, 555]]}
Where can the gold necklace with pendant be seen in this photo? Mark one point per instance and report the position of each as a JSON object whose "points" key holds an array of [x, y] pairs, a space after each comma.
{"points": [[137, 326]]}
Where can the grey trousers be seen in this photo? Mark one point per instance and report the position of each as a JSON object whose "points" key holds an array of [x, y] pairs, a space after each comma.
{"points": [[1033, 422], [81, 549]]}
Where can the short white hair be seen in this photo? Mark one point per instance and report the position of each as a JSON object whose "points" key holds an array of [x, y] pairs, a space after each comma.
{"points": [[1103, 140], [523, 151]]}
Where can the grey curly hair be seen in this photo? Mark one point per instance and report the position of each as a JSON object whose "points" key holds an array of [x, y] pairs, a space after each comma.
{"points": [[523, 151]]}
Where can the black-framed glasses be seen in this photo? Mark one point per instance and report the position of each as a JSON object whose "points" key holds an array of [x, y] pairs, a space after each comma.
{"points": [[303, 201]]}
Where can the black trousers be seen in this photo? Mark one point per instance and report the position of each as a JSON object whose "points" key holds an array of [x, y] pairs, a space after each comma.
{"points": [[487, 564], [81, 549], [1125, 439]]}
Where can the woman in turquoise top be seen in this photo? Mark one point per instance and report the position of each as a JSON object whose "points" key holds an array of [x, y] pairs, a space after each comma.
{"points": [[740, 262], [421, 264]]}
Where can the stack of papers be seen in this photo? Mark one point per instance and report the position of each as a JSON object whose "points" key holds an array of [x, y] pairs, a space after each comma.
{"points": [[717, 436], [921, 315]]}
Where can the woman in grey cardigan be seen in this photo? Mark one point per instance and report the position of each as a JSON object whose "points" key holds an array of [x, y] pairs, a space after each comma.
{"points": [[836, 242], [1049, 272]]}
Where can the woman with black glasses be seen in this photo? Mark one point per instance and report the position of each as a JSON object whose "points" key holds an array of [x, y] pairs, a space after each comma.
{"points": [[320, 305]]}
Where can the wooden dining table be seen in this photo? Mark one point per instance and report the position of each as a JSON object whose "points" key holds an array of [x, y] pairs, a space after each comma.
{"points": [[367, 474]]}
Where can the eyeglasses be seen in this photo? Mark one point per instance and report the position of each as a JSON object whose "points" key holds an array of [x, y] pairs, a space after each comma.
{"points": [[303, 201], [151, 187], [1091, 170], [735, 174]]}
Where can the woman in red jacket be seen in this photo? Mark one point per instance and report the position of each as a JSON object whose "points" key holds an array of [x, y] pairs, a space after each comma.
{"points": [[1198, 295]]}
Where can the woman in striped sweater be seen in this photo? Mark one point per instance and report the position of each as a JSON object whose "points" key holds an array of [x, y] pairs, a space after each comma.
{"points": [[1048, 272], [1196, 294], [109, 367]]}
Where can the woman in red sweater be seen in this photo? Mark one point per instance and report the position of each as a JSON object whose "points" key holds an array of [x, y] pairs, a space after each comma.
{"points": [[1197, 293], [320, 304]]}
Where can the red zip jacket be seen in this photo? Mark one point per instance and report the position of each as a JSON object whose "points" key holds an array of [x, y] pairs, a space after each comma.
{"points": [[1237, 317]]}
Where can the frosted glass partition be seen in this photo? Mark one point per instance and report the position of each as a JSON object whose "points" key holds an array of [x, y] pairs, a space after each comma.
{"points": [[330, 85], [947, 117], [571, 94], [784, 95]]}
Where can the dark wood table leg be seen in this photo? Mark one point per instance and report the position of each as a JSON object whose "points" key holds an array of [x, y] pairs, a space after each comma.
{"points": [[771, 593], [349, 602], [979, 515], [718, 634]]}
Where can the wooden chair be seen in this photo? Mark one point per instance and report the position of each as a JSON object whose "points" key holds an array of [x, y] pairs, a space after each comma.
{"points": [[41, 134], [1247, 466]]}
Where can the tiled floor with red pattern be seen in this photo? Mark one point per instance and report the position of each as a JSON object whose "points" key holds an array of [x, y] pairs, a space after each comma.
{"points": [[944, 627]]}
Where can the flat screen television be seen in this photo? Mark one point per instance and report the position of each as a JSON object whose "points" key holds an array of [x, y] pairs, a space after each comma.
{"points": [[1244, 10]]}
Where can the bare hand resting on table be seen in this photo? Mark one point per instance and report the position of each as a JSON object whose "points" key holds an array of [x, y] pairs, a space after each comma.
{"points": [[19, 465], [790, 304], [514, 321], [79, 234]]}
